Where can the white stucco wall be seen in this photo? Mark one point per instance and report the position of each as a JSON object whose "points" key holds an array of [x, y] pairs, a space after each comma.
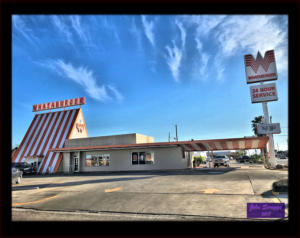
{"points": [[120, 160]]}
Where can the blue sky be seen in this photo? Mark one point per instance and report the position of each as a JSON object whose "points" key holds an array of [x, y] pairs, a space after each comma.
{"points": [[146, 73]]}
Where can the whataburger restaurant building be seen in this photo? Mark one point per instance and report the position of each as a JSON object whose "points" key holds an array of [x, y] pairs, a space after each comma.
{"points": [[58, 141]]}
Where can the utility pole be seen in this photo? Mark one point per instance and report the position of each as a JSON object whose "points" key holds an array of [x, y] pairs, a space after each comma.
{"points": [[176, 138], [169, 137]]}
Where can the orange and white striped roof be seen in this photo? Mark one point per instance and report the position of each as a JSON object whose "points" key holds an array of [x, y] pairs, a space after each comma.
{"points": [[46, 131], [194, 145]]}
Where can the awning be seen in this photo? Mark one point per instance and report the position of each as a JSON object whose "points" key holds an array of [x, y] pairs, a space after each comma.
{"points": [[245, 143]]}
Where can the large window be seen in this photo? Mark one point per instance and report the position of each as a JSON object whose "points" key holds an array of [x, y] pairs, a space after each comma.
{"points": [[142, 158], [97, 160]]}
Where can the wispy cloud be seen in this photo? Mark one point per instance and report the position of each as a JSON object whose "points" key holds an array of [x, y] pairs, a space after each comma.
{"points": [[84, 77], [20, 26], [76, 24], [60, 24], [148, 28], [200, 65], [182, 33], [253, 33], [174, 59], [137, 34]]}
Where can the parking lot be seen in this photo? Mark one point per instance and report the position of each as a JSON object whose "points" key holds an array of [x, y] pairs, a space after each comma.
{"points": [[199, 194]]}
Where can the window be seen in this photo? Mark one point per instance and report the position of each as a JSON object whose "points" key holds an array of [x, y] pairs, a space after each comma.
{"points": [[97, 160], [142, 158]]}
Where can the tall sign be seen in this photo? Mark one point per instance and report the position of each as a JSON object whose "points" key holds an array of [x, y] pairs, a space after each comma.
{"points": [[59, 104], [260, 69]]}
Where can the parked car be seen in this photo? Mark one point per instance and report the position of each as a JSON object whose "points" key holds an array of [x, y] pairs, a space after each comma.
{"points": [[24, 167], [244, 159], [221, 160], [16, 175]]}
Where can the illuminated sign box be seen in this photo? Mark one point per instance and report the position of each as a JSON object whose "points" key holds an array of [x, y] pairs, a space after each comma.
{"points": [[59, 104], [260, 69], [263, 93]]}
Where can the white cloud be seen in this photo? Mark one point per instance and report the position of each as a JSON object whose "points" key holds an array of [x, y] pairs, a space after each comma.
{"points": [[60, 24], [21, 27], [84, 78], [182, 33], [76, 24], [117, 94], [148, 28], [137, 34], [241, 34], [174, 59]]}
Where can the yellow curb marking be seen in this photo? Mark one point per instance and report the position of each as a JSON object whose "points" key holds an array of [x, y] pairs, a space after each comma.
{"points": [[41, 200], [210, 190], [112, 190]]}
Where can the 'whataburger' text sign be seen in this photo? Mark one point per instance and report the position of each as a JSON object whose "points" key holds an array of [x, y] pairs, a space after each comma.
{"points": [[59, 104], [260, 69], [263, 93]]}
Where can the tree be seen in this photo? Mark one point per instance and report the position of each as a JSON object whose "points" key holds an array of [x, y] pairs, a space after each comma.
{"points": [[258, 119]]}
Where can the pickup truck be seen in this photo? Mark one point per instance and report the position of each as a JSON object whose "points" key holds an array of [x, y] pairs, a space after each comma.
{"points": [[221, 160]]}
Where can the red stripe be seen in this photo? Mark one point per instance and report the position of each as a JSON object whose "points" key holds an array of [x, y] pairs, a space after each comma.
{"points": [[235, 145], [261, 144], [30, 138], [248, 144], [201, 146], [53, 138], [68, 135], [60, 138], [224, 145], [50, 133], [23, 141], [212, 145], [37, 135], [190, 147], [58, 163], [45, 132]]}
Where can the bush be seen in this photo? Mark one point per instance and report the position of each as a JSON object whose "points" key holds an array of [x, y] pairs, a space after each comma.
{"points": [[256, 158]]}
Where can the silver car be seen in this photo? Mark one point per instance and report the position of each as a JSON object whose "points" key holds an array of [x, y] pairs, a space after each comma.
{"points": [[221, 160]]}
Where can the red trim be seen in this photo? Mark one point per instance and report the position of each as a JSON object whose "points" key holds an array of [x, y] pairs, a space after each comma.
{"points": [[23, 141], [263, 141]]}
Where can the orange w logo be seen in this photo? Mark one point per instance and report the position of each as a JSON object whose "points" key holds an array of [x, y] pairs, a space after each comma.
{"points": [[264, 62]]}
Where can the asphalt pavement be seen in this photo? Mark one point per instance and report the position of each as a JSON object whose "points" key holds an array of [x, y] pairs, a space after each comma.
{"points": [[197, 194]]}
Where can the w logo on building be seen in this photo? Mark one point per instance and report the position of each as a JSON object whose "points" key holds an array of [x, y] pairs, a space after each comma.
{"points": [[261, 68]]}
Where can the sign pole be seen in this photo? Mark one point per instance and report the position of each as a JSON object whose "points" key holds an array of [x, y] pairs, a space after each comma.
{"points": [[271, 140]]}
